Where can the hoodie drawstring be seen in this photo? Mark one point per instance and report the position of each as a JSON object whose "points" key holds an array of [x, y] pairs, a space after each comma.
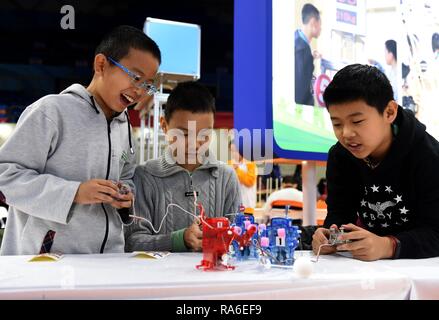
{"points": [[129, 133]]}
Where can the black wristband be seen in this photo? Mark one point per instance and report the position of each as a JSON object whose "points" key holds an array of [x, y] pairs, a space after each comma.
{"points": [[397, 249]]}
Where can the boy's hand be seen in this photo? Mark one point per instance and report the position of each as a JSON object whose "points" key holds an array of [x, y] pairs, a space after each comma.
{"points": [[122, 200], [320, 237], [367, 245], [96, 191], [102, 191], [193, 237]]}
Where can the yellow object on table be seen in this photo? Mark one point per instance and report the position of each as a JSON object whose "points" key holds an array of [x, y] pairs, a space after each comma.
{"points": [[150, 254], [46, 257]]}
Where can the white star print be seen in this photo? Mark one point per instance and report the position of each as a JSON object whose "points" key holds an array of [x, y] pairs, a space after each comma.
{"points": [[404, 210], [389, 189], [375, 188], [363, 203], [398, 199], [404, 219], [370, 225], [385, 225]]}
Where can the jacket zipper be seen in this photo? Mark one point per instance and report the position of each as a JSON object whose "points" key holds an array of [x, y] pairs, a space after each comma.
{"points": [[104, 242], [194, 195]]}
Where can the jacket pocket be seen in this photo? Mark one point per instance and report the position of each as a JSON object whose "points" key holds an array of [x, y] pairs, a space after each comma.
{"points": [[32, 236]]}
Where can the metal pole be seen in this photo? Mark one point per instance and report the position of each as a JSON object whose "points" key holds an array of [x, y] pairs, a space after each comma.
{"points": [[142, 140], [156, 126], [260, 190], [148, 155], [270, 183], [309, 185]]}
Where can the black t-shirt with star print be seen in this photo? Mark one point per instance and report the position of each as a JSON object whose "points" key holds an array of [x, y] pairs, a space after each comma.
{"points": [[400, 197]]}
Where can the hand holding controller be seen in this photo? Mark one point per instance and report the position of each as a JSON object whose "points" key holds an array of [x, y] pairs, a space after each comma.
{"points": [[124, 197]]}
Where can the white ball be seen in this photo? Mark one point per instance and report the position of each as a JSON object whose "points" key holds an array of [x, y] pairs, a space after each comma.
{"points": [[303, 267]]}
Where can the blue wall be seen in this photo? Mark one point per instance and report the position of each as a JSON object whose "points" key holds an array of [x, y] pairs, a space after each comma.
{"points": [[252, 93]]}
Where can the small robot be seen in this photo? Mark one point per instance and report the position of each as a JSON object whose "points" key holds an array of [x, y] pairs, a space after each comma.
{"points": [[217, 238], [279, 241], [243, 221]]}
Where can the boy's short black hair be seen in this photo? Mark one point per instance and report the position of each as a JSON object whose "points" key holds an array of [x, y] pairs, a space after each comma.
{"points": [[309, 11], [190, 96], [391, 47], [118, 42], [359, 82], [435, 41]]}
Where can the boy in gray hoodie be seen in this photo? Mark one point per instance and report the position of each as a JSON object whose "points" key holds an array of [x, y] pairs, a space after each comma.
{"points": [[57, 170], [185, 169]]}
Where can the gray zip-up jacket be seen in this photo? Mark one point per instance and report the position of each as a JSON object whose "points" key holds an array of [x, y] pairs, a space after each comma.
{"points": [[59, 142], [161, 182]]}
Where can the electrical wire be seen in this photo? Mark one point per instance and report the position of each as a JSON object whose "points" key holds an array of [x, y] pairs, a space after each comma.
{"points": [[134, 216]]}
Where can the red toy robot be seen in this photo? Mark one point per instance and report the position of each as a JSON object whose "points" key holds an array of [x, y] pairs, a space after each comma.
{"points": [[217, 237]]}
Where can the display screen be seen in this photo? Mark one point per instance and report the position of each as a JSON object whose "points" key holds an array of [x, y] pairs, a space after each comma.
{"points": [[180, 46], [396, 36]]}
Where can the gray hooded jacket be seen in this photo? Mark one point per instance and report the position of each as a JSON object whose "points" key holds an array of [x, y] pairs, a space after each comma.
{"points": [[59, 142], [161, 182]]}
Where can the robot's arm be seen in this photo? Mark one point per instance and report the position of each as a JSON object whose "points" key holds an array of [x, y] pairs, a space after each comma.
{"points": [[244, 239]]}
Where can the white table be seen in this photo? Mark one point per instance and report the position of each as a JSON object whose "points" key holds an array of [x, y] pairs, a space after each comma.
{"points": [[423, 274], [120, 276]]}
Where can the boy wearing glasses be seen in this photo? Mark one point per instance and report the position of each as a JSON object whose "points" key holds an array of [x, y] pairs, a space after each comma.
{"points": [[185, 174], [62, 170]]}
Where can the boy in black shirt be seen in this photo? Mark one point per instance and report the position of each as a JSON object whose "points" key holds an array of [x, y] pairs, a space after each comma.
{"points": [[383, 180]]}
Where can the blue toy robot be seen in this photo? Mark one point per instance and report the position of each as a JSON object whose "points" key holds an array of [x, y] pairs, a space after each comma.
{"points": [[243, 220], [281, 241]]}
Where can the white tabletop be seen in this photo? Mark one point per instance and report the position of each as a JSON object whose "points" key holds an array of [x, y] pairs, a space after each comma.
{"points": [[423, 274], [121, 276]]}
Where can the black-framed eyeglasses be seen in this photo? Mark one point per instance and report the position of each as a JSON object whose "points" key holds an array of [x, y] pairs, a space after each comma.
{"points": [[148, 88]]}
